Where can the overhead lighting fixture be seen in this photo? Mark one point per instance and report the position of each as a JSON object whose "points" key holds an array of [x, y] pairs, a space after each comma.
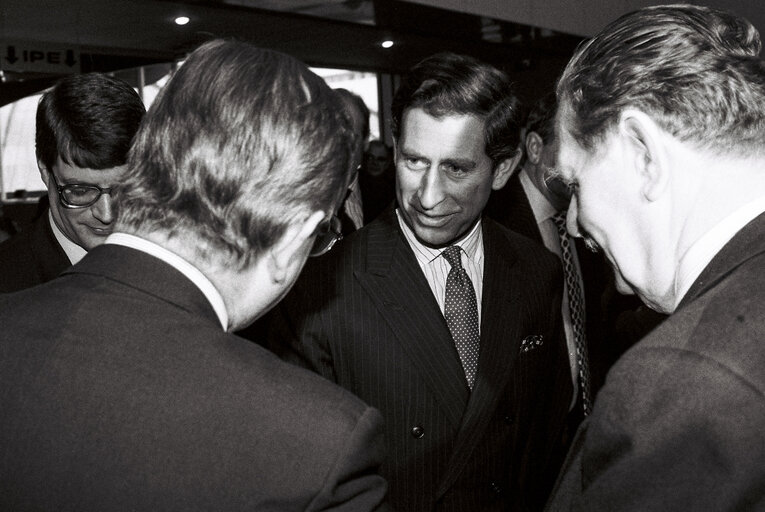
{"points": [[387, 43], [182, 20]]}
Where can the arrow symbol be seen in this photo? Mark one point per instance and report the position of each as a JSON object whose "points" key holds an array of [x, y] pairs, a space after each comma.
{"points": [[70, 58], [11, 57]]}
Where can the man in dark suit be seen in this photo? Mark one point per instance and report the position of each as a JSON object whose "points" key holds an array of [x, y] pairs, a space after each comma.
{"points": [[474, 399], [660, 131], [120, 388], [85, 125], [533, 203]]}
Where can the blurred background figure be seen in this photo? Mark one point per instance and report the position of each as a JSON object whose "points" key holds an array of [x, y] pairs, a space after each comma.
{"points": [[352, 213], [377, 179], [603, 322], [85, 125]]}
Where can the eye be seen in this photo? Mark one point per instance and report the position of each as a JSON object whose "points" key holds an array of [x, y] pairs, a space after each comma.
{"points": [[453, 168], [415, 163], [79, 190]]}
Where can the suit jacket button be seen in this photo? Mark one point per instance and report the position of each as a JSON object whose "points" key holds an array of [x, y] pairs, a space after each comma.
{"points": [[418, 432], [496, 488]]}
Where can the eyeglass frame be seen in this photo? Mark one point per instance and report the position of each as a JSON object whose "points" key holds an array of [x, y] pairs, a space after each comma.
{"points": [[332, 227], [66, 204]]}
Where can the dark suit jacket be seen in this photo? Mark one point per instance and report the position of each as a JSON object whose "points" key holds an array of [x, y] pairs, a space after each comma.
{"points": [[31, 257], [119, 390], [364, 316], [680, 422]]}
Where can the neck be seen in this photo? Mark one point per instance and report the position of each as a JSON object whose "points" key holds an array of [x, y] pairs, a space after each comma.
{"points": [[234, 285], [719, 188]]}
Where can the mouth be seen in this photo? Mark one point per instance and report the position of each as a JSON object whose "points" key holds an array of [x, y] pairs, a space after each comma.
{"points": [[430, 220], [101, 231]]}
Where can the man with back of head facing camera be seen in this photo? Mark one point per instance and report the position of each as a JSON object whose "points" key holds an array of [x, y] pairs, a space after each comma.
{"points": [[661, 129], [84, 128], [120, 388]]}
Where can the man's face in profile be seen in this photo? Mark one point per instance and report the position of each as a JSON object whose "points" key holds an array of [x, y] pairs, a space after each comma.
{"points": [[88, 226], [605, 206], [443, 175]]}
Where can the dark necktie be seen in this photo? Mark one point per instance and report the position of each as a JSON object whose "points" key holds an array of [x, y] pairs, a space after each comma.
{"points": [[461, 313], [576, 310]]}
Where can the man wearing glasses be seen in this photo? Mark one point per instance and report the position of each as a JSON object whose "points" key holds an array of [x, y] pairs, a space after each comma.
{"points": [[85, 125], [120, 383]]}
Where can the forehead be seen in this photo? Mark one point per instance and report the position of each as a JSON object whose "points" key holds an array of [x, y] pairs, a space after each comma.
{"points": [[570, 156], [69, 173], [447, 136]]}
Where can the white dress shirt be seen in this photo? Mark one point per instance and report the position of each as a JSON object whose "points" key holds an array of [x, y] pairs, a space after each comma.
{"points": [[73, 251], [436, 268], [703, 250]]}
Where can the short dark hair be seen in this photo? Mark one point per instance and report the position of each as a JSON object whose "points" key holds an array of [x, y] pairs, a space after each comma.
{"points": [[694, 69], [239, 143], [358, 102], [448, 84], [541, 118], [88, 120]]}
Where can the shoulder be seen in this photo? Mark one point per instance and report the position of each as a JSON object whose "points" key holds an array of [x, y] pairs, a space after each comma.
{"points": [[303, 401], [518, 248], [22, 258]]}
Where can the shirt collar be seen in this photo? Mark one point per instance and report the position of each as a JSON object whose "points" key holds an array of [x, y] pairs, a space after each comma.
{"points": [[540, 205], [469, 243], [73, 251], [703, 250], [183, 266]]}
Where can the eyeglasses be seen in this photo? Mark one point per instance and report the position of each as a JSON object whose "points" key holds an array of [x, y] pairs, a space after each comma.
{"points": [[328, 234], [79, 195]]}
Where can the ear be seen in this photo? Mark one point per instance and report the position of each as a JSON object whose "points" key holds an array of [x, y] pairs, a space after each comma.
{"points": [[292, 248], [534, 145], [646, 150], [43, 173], [504, 170]]}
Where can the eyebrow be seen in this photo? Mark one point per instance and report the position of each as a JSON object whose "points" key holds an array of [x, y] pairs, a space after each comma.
{"points": [[462, 163]]}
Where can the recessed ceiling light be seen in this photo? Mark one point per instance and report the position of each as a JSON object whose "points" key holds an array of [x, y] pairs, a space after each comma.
{"points": [[387, 44], [182, 20]]}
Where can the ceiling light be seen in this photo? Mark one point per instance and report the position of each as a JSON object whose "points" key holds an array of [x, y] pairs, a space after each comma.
{"points": [[387, 44], [182, 20]]}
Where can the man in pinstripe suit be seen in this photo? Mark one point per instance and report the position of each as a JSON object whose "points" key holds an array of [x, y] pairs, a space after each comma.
{"points": [[371, 315]]}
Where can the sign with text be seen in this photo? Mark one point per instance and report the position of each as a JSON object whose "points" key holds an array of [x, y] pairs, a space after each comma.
{"points": [[39, 57]]}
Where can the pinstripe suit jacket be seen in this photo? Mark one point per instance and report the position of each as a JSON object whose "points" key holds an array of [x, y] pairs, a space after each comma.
{"points": [[510, 207], [364, 316]]}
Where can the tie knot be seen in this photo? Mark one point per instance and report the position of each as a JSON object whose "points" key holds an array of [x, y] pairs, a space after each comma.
{"points": [[452, 255]]}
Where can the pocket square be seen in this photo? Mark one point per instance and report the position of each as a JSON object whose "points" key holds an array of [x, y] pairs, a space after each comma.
{"points": [[531, 342]]}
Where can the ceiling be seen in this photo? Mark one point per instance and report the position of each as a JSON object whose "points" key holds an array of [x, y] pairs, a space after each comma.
{"points": [[107, 35]]}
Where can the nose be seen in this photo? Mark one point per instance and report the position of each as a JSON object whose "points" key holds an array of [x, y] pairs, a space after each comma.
{"points": [[104, 209], [572, 222], [431, 191]]}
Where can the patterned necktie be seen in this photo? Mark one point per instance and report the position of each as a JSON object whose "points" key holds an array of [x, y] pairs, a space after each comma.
{"points": [[576, 310], [461, 313]]}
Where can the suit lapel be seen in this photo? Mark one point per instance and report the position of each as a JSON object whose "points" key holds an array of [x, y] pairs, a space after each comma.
{"points": [[516, 213], [147, 274], [500, 341], [746, 244], [394, 281]]}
